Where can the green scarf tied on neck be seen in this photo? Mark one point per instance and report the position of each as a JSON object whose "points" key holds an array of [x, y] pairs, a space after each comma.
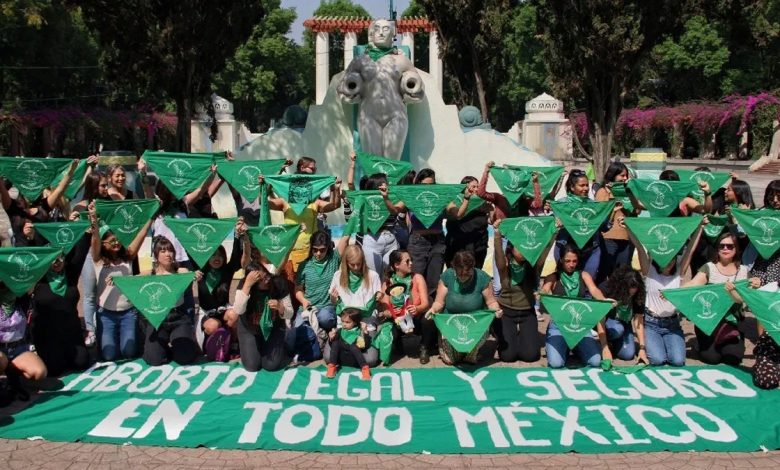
{"points": [[320, 265], [399, 300], [571, 283], [351, 335], [57, 282], [376, 53], [213, 277], [354, 281], [7, 302], [517, 272]]}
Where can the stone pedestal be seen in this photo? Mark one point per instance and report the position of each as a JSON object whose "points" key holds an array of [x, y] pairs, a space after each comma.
{"points": [[546, 130]]}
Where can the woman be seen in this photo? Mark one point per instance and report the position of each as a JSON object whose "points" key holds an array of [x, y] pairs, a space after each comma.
{"points": [[261, 297], [378, 246], [738, 194], [116, 183], [116, 316], [216, 314], [18, 353], [174, 339], [95, 187], [616, 248], [569, 281], [314, 276], [470, 231], [660, 335], [517, 331], [627, 287], [412, 299], [688, 205], [463, 289], [726, 344], [55, 325], [766, 372]]}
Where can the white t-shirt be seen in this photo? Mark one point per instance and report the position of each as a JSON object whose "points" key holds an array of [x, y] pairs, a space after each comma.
{"points": [[654, 283], [160, 229], [109, 296], [364, 294], [714, 276]]}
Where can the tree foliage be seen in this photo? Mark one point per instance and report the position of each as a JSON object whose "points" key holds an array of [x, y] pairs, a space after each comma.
{"points": [[336, 39], [171, 49]]}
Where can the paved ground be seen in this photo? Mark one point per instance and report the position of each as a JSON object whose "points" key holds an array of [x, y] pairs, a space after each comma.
{"points": [[22, 454]]}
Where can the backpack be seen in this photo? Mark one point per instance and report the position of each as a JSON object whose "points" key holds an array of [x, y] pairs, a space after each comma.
{"points": [[217, 346]]}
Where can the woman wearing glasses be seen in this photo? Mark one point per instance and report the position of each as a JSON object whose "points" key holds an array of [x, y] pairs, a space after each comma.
{"points": [[726, 344]]}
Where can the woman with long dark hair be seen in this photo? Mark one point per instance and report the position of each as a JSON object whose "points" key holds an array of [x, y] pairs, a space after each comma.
{"points": [[616, 248], [405, 292], [626, 286], [469, 232]]}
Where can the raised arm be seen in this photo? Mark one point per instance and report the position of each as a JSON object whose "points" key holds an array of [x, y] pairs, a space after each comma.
{"points": [[335, 199], [644, 259], [691, 247], [55, 193], [135, 245], [499, 255], [351, 171]]}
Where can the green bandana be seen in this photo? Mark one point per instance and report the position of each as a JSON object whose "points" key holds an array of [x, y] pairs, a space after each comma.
{"points": [[32, 175], [762, 228], [512, 182], [200, 237], [213, 277], [394, 169], [181, 173], [400, 299], [369, 212], [300, 190], [716, 180], [705, 305], [530, 235], [663, 237], [464, 330], [351, 335], [624, 313], [154, 295], [717, 224], [7, 302], [765, 306], [548, 178], [355, 280], [75, 182], [266, 320], [22, 267], [620, 194], [608, 366], [517, 272], [570, 283], [126, 218], [242, 175], [376, 53], [383, 341], [319, 266], [63, 235], [57, 282], [427, 201], [474, 203], [661, 198], [274, 241], [582, 218], [575, 317]]}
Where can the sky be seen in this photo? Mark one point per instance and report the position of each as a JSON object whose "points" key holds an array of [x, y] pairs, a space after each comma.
{"points": [[305, 9]]}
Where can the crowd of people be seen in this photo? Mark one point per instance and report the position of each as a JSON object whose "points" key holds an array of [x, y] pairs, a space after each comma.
{"points": [[349, 300]]}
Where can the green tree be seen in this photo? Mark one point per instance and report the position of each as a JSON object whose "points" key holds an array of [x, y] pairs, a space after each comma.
{"points": [[268, 72], [593, 50], [170, 49], [469, 32], [421, 39], [344, 8]]}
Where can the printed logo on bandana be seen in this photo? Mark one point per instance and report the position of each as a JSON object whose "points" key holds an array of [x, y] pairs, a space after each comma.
{"points": [[300, 190], [23, 261], [154, 291], [274, 235], [129, 216], [250, 174], [462, 322], [576, 309], [428, 199], [201, 232], [180, 168], [705, 299], [584, 215], [775, 322], [662, 232], [29, 171], [385, 167], [374, 208], [660, 190], [515, 181], [64, 236], [529, 227], [768, 225]]}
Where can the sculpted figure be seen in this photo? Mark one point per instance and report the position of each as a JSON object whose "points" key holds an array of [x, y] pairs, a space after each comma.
{"points": [[382, 80]]}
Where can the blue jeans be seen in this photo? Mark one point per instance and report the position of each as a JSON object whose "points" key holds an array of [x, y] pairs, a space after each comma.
{"points": [[664, 341], [614, 253], [496, 275], [88, 281], [588, 349], [620, 336], [112, 325], [377, 249]]}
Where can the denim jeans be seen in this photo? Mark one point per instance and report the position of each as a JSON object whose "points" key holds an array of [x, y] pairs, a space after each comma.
{"points": [[496, 275], [113, 326], [326, 317], [588, 349], [88, 281], [614, 253], [377, 249], [620, 336], [664, 341]]}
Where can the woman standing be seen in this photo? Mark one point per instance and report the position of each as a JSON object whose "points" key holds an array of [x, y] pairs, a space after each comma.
{"points": [[470, 231], [116, 183], [616, 248], [463, 289]]}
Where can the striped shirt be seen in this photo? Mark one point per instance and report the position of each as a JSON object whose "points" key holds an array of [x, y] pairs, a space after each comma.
{"points": [[316, 282]]}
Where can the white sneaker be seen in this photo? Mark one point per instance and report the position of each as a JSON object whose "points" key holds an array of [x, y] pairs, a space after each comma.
{"points": [[90, 340]]}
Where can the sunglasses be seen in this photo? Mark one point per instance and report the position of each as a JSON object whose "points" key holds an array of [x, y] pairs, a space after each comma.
{"points": [[726, 246], [314, 249]]}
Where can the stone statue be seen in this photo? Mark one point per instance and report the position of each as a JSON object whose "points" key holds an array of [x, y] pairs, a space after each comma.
{"points": [[382, 80]]}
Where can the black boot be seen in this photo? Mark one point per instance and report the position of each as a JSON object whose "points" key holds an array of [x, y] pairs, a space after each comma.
{"points": [[424, 357]]}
